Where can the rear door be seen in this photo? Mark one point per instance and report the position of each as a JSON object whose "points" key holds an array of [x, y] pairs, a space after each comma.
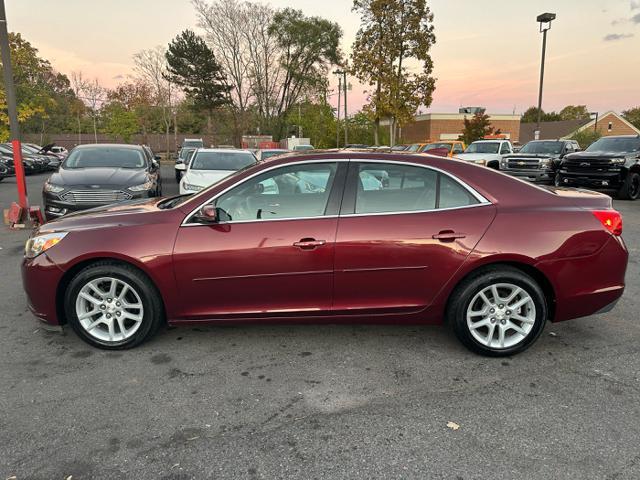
{"points": [[404, 230]]}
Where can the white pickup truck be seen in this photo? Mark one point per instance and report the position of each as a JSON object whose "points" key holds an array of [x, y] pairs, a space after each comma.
{"points": [[487, 152]]}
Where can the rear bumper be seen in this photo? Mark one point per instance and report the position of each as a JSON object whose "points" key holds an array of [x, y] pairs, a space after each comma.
{"points": [[587, 285]]}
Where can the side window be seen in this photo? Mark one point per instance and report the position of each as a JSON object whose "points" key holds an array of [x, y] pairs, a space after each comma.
{"points": [[457, 148], [505, 149], [452, 194], [384, 187], [289, 192], [387, 188]]}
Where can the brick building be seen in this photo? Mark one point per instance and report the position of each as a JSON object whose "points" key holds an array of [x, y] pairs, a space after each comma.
{"points": [[449, 126], [608, 124]]}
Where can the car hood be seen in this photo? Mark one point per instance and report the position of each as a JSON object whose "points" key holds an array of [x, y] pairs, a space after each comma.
{"points": [[205, 178], [123, 177], [122, 213], [586, 155], [473, 157]]}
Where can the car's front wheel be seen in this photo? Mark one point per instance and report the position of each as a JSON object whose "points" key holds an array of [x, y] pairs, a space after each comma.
{"points": [[630, 189], [113, 306], [498, 312]]}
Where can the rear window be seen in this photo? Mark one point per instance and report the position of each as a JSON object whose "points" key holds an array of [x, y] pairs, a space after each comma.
{"points": [[105, 157], [228, 161]]}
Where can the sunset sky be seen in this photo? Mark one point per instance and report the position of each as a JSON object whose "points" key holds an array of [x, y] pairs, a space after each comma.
{"points": [[487, 53]]}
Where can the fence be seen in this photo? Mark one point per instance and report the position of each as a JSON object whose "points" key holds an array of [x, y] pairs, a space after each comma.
{"points": [[157, 141]]}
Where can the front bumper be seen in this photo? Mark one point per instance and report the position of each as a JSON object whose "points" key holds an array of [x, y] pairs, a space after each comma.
{"points": [[40, 279], [611, 180], [537, 176]]}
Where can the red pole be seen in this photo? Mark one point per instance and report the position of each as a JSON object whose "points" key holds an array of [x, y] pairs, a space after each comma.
{"points": [[23, 201]]}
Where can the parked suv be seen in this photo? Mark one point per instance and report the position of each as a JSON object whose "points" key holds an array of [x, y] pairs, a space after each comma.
{"points": [[611, 163], [539, 160]]}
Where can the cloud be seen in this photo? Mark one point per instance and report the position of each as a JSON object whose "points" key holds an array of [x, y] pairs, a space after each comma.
{"points": [[635, 4], [636, 18], [612, 37], [118, 77], [618, 21]]}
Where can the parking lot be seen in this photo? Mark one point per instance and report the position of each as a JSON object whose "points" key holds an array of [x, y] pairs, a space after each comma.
{"points": [[317, 401]]}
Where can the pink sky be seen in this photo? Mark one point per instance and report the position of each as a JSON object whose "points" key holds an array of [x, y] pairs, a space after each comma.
{"points": [[487, 54]]}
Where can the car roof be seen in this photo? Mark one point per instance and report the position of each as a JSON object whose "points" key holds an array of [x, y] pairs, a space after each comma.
{"points": [[223, 150], [109, 145]]}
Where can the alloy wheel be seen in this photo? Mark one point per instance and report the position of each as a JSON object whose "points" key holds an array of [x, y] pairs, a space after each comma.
{"points": [[109, 309], [501, 316]]}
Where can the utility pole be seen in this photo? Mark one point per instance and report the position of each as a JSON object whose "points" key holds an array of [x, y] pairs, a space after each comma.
{"points": [[12, 109], [346, 115], [338, 113], [545, 20]]}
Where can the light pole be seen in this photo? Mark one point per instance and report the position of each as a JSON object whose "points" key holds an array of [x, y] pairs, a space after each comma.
{"points": [[544, 20], [595, 125], [12, 109]]}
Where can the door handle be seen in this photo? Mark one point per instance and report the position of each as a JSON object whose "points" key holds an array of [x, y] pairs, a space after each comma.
{"points": [[309, 243], [448, 236]]}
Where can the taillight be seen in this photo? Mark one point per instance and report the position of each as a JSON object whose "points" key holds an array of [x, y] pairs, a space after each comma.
{"points": [[610, 219]]}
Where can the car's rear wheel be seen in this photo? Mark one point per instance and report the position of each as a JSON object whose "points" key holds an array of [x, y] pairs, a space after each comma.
{"points": [[112, 306], [630, 189], [498, 312]]}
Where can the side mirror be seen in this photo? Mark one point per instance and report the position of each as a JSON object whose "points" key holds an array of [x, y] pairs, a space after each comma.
{"points": [[157, 158], [207, 214], [181, 166], [155, 164]]}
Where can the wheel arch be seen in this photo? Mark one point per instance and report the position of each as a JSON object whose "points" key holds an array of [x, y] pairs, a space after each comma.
{"points": [[519, 264], [81, 264]]}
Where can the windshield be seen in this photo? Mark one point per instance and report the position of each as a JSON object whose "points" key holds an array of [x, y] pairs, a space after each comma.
{"points": [[185, 152], [484, 147], [433, 146], [618, 145], [192, 143], [221, 160], [271, 153], [105, 157], [554, 148]]}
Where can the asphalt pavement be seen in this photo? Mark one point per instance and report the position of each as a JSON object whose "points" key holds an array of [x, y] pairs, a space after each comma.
{"points": [[317, 402]]}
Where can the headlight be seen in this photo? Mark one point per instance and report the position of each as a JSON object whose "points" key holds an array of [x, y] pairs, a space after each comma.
{"points": [[41, 243], [618, 161], [545, 162], [51, 188], [192, 187], [145, 186]]}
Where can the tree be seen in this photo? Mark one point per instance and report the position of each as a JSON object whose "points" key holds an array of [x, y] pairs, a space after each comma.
{"points": [[193, 66], [476, 128], [586, 137], [632, 116], [574, 112], [392, 35], [120, 122], [151, 65], [93, 96], [308, 46]]}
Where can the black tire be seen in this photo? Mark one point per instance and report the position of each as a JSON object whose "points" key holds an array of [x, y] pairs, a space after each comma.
{"points": [[630, 189], [465, 292], [153, 314], [178, 176]]}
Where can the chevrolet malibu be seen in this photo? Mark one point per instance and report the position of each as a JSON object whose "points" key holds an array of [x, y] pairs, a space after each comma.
{"points": [[309, 238]]}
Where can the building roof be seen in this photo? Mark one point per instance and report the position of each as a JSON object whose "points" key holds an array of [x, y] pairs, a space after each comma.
{"points": [[550, 130]]}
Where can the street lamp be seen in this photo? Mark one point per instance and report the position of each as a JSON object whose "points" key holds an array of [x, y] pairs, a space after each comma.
{"points": [[544, 20]]}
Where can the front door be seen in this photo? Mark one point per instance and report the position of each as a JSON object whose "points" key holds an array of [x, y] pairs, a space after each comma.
{"points": [[271, 254], [403, 233]]}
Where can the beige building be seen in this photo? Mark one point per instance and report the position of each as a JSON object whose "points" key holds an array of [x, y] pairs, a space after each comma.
{"points": [[449, 126]]}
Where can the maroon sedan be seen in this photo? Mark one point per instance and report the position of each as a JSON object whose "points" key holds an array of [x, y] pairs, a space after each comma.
{"points": [[335, 237]]}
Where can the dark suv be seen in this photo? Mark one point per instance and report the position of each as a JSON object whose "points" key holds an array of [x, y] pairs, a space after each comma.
{"points": [[611, 163], [538, 161]]}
